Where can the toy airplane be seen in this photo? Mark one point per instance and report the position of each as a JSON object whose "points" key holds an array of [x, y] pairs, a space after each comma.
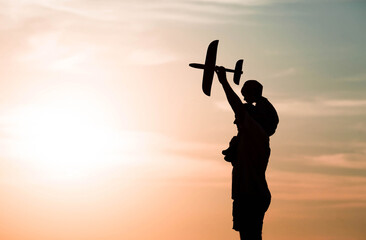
{"points": [[210, 65]]}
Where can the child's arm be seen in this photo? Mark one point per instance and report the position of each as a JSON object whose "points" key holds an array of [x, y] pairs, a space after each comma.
{"points": [[233, 99]]}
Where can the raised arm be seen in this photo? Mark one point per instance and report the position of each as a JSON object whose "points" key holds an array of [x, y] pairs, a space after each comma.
{"points": [[233, 99]]}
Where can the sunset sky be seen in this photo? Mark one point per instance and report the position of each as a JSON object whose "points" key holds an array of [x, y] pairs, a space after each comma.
{"points": [[105, 132]]}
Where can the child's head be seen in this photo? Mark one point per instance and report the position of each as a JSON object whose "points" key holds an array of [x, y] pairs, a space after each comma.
{"points": [[252, 91]]}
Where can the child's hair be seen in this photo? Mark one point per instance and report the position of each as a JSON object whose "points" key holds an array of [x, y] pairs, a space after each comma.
{"points": [[254, 87]]}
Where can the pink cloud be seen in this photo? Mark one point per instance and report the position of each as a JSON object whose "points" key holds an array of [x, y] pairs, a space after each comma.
{"points": [[350, 190]]}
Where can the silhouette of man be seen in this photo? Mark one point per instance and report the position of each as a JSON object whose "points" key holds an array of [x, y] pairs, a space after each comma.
{"points": [[249, 153]]}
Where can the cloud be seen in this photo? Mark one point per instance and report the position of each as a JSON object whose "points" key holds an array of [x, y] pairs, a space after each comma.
{"points": [[356, 78], [18, 11], [342, 160], [337, 190], [244, 2], [55, 43], [150, 57], [47, 51], [359, 127], [109, 11], [284, 73], [321, 107], [345, 103], [204, 12]]}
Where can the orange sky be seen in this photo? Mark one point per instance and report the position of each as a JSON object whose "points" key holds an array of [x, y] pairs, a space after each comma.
{"points": [[105, 132]]}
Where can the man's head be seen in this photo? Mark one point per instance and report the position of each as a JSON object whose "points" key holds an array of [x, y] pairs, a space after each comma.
{"points": [[252, 91]]}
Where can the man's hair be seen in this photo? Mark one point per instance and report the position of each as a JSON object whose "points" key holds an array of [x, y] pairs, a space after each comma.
{"points": [[254, 87]]}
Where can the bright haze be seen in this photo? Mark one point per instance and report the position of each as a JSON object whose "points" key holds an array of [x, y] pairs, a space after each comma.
{"points": [[105, 132]]}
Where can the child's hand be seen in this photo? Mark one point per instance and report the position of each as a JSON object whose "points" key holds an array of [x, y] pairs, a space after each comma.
{"points": [[221, 74]]}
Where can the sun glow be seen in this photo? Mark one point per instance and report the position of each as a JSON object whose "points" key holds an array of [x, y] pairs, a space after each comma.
{"points": [[64, 141]]}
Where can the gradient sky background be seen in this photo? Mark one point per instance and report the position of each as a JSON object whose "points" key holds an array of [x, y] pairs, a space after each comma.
{"points": [[105, 132]]}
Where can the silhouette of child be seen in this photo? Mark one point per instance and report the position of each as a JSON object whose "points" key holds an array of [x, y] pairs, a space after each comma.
{"points": [[249, 153]]}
